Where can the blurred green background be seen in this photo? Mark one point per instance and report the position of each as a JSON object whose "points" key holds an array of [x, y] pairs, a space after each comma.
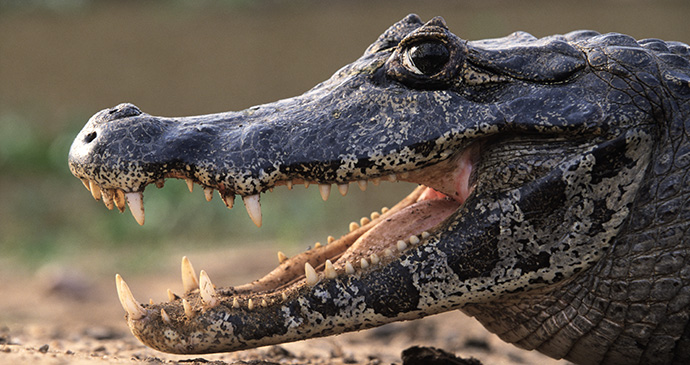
{"points": [[62, 61]]}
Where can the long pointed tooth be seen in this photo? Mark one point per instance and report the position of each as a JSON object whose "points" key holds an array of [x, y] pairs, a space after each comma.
{"points": [[206, 290], [135, 201], [95, 190], [329, 270], [86, 184], [251, 202], [187, 308], [208, 194], [281, 257], [190, 184], [362, 184], [325, 191], [349, 268], [130, 305], [165, 316], [172, 296], [229, 200], [310, 273], [342, 189], [189, 279], [119, 198], [235, 303], [107, 195]]}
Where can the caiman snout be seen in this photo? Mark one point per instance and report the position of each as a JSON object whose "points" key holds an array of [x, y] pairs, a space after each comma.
{"points": [[89, 134]]}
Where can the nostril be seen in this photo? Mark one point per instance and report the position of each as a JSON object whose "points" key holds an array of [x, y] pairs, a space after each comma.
{"points": [[90, 137]]}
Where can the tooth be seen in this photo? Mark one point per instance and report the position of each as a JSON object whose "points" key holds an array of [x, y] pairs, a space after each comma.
{"points": [[251, 202], [250, 304], [270, 189], [284, 296], [107, 195], [349, 268], [342, 188], [364, 221], [289, 184], [135, 200], [392, 178], [414, 240], [165, 316], [310, 273], [281, 257], [264, 303], [329, 270], [235, 303], [376, 181], [119, 198], [206, 290], [330, 239], [208, 193], [325, 191], [374, 258], [229, 200], [189, 280], [384, 210], [388, 252], [317, 245], [306, 184], [190, 184], [187, 308], [131, 306], [362, 184], [353, 226], [363, 263], [95, 190], [401, 245], [172, 296], [375, 215], [86, 184], [150, 301], [425, 235]]}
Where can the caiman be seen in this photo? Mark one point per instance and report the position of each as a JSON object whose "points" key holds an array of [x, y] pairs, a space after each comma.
{"points": [[553, 201]]}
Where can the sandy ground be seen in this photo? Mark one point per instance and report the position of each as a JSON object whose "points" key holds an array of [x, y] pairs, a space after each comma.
{"points": [[62, 315]]}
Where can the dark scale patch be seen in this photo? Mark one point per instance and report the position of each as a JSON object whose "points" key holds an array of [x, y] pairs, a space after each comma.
{"points": [[259, 323], [390, 291]]}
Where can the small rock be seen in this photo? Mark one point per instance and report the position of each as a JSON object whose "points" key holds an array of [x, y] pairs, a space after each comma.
{"points": [[418, 355], [43, 349]]}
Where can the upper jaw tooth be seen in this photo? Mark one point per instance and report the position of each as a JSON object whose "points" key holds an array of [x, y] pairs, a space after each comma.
{"points": [[251, 202], [135, 200]]}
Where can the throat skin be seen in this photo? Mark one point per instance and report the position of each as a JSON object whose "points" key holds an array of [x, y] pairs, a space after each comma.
{"points": [[550, 204]]}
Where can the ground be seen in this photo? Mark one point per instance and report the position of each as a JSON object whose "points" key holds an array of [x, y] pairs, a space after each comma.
{"points": [[60, 315]]}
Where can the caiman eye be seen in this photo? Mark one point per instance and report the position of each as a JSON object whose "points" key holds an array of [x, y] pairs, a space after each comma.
{"points": [[426, 58]]}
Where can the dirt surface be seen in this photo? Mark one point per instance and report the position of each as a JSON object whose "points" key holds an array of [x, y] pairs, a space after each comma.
{"points": [[63, 315]]}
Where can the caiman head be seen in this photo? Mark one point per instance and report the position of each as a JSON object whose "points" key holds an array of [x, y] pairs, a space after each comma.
{"points": [[528, 154]]}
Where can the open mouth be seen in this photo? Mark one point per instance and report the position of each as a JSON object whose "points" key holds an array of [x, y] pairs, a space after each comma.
{"points": [[375, 240]]}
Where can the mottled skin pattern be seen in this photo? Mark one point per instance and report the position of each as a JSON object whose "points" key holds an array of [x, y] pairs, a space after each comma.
{"points": [[572, 240]]}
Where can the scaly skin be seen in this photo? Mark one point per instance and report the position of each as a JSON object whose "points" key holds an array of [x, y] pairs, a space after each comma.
{"points": [[552, 203]]}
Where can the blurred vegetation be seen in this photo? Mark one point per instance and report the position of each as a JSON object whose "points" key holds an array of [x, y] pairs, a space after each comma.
{"points": [[62, 61]]}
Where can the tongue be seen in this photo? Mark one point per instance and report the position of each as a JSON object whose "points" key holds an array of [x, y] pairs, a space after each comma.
{"points": [[412, 220]]}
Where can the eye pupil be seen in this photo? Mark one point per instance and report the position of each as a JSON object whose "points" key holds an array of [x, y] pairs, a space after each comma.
{"points": [[429, 58]]}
